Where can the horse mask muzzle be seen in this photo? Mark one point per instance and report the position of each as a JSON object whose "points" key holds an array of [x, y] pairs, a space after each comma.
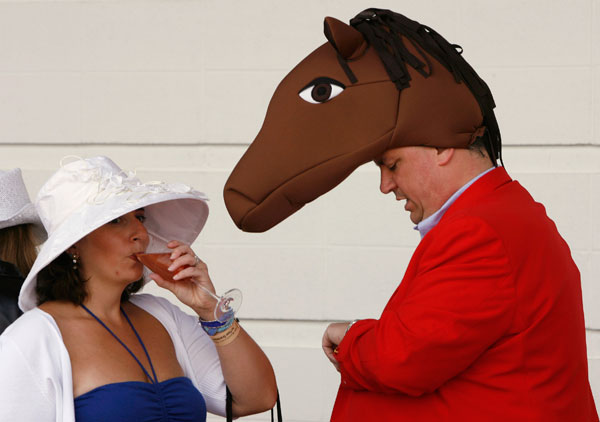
{"points": [[382, 83]]}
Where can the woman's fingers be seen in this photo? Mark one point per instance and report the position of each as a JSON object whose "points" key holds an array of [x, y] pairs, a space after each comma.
{"points": [[183, 260], [191, 277], [174, 243], [179, 249], [190, 266], [192, 272], [166, 284], [183, 255]]}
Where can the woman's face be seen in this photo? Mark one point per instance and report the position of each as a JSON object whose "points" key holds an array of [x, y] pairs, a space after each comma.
{"points": [[107, 253]]}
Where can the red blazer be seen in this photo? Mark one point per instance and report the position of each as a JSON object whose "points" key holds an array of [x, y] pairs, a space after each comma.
{"points": [[487, 324]]}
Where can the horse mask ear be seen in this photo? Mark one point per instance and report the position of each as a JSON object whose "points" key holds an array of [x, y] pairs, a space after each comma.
{"points": [[345, 39]]}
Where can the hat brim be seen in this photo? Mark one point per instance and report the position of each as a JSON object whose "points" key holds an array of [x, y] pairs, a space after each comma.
{"points": [[169, 216]]}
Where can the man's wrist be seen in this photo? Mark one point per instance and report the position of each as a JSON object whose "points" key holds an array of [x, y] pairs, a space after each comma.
{"points": [[350, 325]]}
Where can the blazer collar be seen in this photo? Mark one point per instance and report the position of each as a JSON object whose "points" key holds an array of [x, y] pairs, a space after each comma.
{"points": [[483, 186]]}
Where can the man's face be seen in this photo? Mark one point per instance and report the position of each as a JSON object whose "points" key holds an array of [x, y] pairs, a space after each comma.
{"points": [[409, 172]]}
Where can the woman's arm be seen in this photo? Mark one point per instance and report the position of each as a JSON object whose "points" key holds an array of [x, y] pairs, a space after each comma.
{"points": [[246, 369], [248, 374]]}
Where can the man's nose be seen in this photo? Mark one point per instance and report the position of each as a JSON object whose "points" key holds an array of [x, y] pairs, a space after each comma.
{"points": [[386, 184]]}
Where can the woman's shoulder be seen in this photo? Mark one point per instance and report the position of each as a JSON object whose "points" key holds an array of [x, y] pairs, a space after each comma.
{"points": [[34, 319], [159, 307], [33, 333], [149, 301], [33, 363], [173, 318]]}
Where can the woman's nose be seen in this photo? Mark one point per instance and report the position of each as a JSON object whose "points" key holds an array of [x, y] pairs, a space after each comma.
{"points": [[139, 233]]}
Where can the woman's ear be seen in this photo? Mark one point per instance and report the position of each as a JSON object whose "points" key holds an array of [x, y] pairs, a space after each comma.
{"points": [[444, 155]]}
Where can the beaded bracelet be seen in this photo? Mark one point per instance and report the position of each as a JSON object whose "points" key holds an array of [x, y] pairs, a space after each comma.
{"points": [[214, 327]]}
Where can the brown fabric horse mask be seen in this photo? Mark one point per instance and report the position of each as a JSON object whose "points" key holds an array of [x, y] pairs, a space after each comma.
{"points": [[391, 82]]}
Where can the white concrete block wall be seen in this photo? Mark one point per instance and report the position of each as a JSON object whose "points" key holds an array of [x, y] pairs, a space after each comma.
{"points": [[177, 90]]}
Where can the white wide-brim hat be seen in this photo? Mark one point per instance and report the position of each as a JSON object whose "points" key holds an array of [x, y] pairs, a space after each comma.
{"points": [[88, 193], [15, 206]]}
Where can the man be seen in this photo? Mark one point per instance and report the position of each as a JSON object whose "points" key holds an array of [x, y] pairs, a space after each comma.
{"points": [[487, 324]]}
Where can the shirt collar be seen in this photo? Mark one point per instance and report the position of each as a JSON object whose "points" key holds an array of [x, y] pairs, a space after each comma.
{"points": [[430, 222]]}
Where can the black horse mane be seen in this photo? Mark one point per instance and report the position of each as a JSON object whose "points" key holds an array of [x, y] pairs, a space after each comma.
{"points": [[382, 30]]}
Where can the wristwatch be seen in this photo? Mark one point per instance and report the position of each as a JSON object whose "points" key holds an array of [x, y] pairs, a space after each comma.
{"points": [[350, 325]]}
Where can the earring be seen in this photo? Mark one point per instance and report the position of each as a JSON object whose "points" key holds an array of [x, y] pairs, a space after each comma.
{"points": [[75, 261]]}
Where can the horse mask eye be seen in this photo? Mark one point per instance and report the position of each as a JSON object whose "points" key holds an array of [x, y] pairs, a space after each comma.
{"points": [[321, 90]]}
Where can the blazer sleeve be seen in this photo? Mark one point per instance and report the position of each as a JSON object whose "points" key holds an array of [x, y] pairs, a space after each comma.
{"points": [[24, 396], [458, 303]]}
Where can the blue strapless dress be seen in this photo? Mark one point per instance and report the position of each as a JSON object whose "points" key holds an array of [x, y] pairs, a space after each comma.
{"points": [[172, 400]]}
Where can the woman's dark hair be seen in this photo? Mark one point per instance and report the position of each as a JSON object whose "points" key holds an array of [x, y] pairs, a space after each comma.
{"points": [[17, 246], [60, 281]]}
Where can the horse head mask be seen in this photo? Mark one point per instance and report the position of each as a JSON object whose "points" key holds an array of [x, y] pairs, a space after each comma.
{"points": [[382, 82]]}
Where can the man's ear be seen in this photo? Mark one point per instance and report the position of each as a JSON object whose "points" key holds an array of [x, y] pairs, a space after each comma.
{"points": [[444, 155]]}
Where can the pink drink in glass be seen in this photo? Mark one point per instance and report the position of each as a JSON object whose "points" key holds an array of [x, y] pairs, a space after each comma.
{"points": [[159, 263]]}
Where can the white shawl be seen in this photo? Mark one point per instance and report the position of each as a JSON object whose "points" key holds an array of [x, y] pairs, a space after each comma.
{"points": [[35, 369]]}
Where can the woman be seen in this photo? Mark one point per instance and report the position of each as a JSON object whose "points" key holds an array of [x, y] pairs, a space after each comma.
{"points": [[20, 231], [98, 351]]}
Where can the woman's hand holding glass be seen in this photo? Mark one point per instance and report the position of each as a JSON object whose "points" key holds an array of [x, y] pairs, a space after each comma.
{"points": [[192, 285]]}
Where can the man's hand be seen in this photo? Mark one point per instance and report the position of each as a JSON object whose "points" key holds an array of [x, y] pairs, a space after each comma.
{"points": [[332, 338]]}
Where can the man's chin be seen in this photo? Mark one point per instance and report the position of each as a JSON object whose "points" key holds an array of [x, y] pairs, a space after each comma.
{"points": [[415, 217]]}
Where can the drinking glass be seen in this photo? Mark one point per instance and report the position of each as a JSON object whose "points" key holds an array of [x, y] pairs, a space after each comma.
{"points": [[227, 304]]}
